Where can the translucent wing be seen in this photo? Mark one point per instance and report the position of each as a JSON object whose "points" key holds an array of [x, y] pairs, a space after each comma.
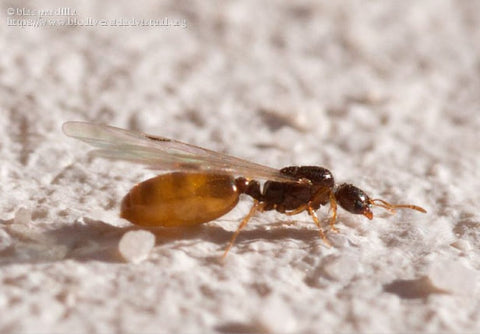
{"points": [[164, 154]]}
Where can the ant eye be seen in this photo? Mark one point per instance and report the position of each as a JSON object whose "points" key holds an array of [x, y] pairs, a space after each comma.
{"points": [[358, 205]]}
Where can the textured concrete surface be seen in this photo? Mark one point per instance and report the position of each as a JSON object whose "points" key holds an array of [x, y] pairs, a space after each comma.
{"points": [[385, 94]]}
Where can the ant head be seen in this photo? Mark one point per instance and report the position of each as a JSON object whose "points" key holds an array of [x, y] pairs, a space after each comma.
{"points": [[354, 200]]}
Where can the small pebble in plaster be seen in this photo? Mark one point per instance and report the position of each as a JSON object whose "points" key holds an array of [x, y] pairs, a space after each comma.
{"points": [[275, 316], [22, 216], [275, 121], [452, 276], [23, 227], [5, 240], [462, 245], [136, 245], [342, 268], [202, 185]]}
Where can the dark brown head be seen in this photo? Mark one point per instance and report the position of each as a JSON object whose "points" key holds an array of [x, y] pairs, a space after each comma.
{"points": [[354, 200]]}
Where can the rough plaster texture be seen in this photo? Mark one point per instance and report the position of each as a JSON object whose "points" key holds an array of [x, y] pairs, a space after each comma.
{"points": [[385, 94]]}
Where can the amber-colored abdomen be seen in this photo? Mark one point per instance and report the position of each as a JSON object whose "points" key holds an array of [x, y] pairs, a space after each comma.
{"points": [[180, 199]]}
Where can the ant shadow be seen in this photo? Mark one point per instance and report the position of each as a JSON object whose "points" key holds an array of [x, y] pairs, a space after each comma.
{"points": [[94, 240]]}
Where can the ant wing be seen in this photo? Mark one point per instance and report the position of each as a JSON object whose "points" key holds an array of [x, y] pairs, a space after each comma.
{"points": [[164, 154]]}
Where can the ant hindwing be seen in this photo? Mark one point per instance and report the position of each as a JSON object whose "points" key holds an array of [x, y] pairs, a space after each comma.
{"points": [[201, 185]]}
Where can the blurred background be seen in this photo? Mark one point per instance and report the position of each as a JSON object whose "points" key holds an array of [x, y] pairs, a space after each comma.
{"points": [[384, 94]]}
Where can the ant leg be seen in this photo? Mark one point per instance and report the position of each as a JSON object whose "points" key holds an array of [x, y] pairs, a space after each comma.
{"points": [[315, 219], [319, 199], [256, 206], [297, 210], [333, 207]]}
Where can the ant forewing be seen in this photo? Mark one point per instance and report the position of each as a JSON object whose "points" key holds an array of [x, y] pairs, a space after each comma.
{"points": [[201, 185]]}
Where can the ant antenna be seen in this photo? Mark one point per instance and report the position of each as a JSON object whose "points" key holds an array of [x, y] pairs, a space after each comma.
{"points": [[391, 207]]}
